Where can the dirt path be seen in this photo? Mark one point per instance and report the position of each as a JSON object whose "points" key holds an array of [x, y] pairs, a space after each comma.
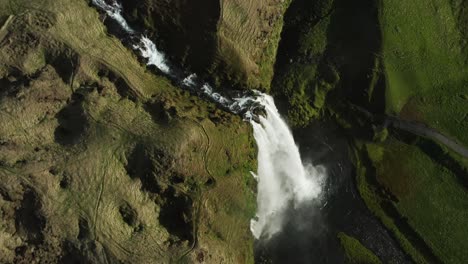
{"points": [[425, 131]]}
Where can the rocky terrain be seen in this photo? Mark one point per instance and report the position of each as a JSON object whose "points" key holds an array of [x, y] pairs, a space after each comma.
{"points": [[102, 161], [105, 160]]}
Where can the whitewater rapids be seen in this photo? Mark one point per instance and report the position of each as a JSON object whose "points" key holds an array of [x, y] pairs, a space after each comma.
{"points": [[284, 182]]}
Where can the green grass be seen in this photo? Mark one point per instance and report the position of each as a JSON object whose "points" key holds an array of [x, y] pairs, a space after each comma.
{"points": [[355, 252], [402, 58], [268, 55], [435, 204], [428, 196], [373, 199], [425, 64], [249, 35]]}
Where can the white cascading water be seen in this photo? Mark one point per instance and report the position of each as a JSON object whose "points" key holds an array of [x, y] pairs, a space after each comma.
{"points": [[152, 54], [284, 182], [147, 48], [114, 10]]}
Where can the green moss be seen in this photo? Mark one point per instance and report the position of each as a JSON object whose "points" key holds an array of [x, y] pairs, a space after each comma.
{"points": [[380, 134], [355, 252], [375, 152], [326, 52], [301, 112], [300, 84], [320, 92]]}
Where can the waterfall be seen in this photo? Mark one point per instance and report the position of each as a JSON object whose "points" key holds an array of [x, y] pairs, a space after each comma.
{"points": [[147, 48], [114, 10], [150, 52], [284, 182]]}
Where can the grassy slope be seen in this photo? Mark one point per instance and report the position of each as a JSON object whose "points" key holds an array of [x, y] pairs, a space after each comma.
{"points": [[355, 252], [425, 63], [427, 196], [82, 186], [370, 193], [434, 202], [249, 33]]}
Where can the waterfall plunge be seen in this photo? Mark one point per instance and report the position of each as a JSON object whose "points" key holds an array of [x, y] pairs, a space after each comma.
{"points": [[283, 180]]}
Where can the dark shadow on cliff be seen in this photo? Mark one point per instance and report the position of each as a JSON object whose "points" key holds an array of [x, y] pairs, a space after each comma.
{"points": [[184, 29], [345, 70], [72, 120]]}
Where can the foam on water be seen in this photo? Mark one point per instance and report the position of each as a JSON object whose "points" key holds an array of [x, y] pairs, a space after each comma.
{"points": [[149, 51], [114, 10]]}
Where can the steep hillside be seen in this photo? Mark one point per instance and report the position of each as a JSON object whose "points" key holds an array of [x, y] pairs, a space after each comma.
{"points": [[102, 161]]}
